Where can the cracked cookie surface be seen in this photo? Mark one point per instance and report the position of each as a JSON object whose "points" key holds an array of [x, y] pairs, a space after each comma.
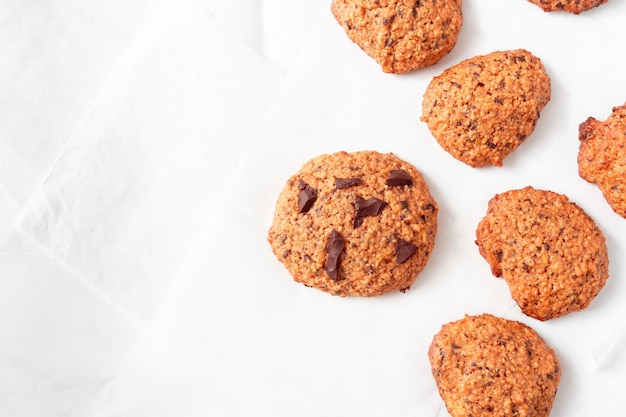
{"points": [[401, 35], [483, 108], [361, 223], [485, 366], [550, 252]]}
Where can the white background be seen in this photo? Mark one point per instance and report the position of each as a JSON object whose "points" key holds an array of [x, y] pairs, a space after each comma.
{"points": [[142, 147]]}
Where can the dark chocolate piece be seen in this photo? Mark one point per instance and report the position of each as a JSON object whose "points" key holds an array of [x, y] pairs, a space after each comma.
{"points": [[367, 208], [399, 177], [404, 250], [306, 197], [334, 247], [347, 182]]}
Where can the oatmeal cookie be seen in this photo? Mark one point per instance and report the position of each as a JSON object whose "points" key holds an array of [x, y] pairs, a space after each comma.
{"points": [[401, 35], [361, 223], [602, 157], [483, 108], [572, 6], [486, 366], [550, 252]]}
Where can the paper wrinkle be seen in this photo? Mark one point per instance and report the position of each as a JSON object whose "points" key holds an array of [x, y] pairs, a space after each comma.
{"points": [[55, 58], [242, 18], [610, 356], [124, 203], [61, 342], [286, 26]]}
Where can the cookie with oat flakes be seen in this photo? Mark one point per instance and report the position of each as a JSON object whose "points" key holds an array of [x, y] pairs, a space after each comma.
{"points": [[401, 35], [485, 366], [483, 108], [361, 223], [549, 251], [572, 6], [602, 157]]}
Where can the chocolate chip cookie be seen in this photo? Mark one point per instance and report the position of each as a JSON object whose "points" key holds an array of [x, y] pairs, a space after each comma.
{"points": [[401, 36], [483, 108], [572, 6], [361, 223], [602, 157], [550, 252], [485, 366]]}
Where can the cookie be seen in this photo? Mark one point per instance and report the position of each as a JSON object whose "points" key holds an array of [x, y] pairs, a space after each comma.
{"points": [[602, 157], [401, 36], [572, 6], [550, 252], [483, 108], [361, 223], [486, 366]]}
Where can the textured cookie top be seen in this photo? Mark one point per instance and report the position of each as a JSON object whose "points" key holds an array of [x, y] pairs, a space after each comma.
{"points": [[483, 108], [360, 223], [572, 6], [488, 366], [401, 35], [550, 252], [602, 157]]}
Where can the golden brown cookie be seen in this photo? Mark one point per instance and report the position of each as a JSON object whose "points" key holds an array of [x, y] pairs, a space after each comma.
{"points": [[572, 6], [360, 223], [602, 157], [486, 366], [401, 35], [483, 108], [550, 252]]}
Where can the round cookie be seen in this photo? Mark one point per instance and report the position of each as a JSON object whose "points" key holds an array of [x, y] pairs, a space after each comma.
{"points": [[550, 252], [401, 36], [361, 223], [486, 366], [572, 6], [483, 108], [602, 157]]}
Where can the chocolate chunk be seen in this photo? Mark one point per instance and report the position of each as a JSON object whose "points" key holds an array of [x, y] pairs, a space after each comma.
{"points": [[334, 247], [404, 250], [306, 197], [367, 208], [429, 207], [399, 177], [347, 182]]}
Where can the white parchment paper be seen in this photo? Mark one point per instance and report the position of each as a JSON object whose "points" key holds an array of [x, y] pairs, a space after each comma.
{"points": [[244, 339], [233, 334], [125, 201], [56, 58]]}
